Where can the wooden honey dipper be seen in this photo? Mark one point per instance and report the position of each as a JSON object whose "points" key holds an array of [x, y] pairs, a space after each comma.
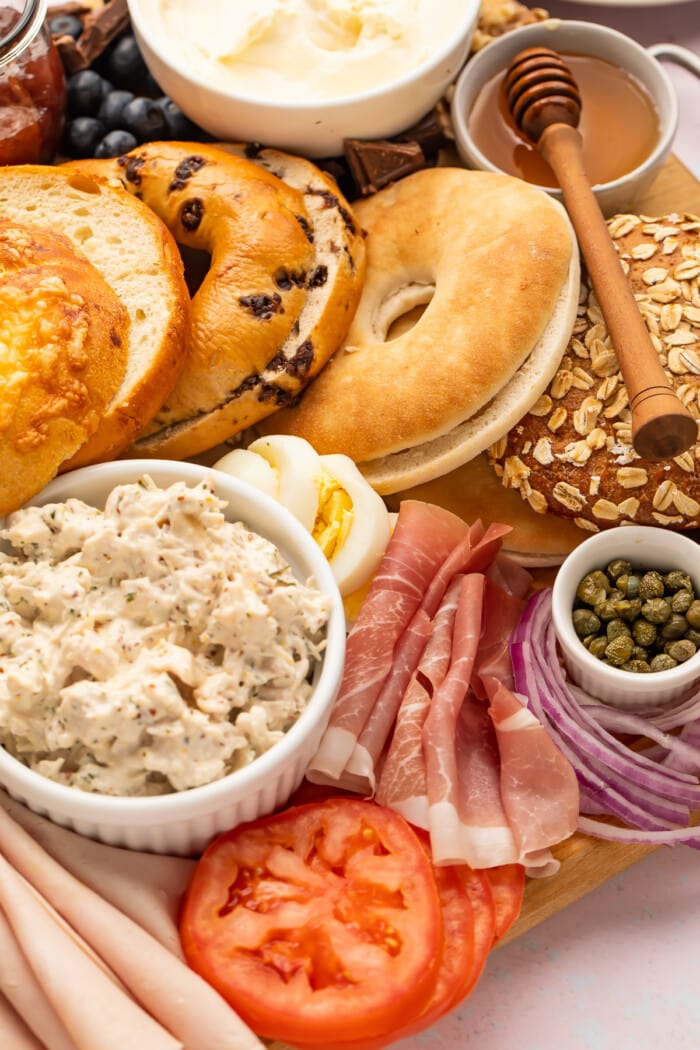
{"points": [[545, 103]]}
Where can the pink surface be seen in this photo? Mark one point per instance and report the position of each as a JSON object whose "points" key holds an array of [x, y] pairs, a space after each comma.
{"points": [[619, 970]]}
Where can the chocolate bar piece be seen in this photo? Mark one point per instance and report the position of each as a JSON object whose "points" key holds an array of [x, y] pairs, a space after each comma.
{"points": [[375, 163], [100, 28]]}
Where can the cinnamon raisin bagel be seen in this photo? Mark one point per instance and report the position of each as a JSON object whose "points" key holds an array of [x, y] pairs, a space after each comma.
{"points": [[257, 335], [572, 453], [63, 345]]}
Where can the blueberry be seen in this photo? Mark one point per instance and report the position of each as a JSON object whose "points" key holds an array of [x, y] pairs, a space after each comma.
{"points": [[81, 136], [144, 118], [114, 144], [65, 25], [179, 126], [85, 91], [111, 112], [125, 62]]}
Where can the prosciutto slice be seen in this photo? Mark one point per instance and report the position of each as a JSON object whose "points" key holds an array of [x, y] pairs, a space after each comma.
{"points": [[423, 538], [14, 1032], [403, 784], [538, 784], [440, 727]]}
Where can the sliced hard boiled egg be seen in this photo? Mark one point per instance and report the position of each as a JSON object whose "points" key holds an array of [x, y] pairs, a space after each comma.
{"points": [[352, 525], [298, 468], [250, 467]]}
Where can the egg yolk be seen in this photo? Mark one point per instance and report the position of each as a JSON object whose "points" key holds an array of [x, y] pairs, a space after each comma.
{"points": [[334, 517]]}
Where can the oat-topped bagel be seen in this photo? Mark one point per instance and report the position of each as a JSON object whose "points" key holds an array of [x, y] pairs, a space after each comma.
{"points": [[572, 453], [496, 263], [245, 351], [331, 290], [63, 346]]}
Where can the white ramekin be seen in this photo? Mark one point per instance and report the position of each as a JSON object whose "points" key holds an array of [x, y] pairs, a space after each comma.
{"points": [[645, 547], [184, 822], [586, 38], [313, 127]]}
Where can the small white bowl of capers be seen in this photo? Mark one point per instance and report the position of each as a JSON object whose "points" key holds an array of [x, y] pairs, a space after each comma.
{"points": [[626, 610]]}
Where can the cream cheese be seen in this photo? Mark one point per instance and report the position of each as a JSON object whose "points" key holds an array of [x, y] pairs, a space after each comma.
{"points": [[304, 50], [152, 647]]}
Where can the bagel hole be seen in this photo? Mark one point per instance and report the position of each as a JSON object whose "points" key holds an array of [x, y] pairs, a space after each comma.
{"points": [[402, 310], [197, 263]]}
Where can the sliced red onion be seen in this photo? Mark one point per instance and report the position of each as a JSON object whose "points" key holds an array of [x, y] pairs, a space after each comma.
{"points": [[651, 791]]}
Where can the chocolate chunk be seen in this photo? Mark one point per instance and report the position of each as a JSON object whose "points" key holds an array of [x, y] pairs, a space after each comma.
{"points": [[376, 163], [306, 227], [132, 168], [332, 201], [100, 27], [298, 365], [191, 214], [429, 133], [262, 306], [286, 280]]}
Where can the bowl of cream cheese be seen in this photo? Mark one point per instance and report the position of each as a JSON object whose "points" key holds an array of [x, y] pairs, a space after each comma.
{"points": [[173, 641], [303, 75]]}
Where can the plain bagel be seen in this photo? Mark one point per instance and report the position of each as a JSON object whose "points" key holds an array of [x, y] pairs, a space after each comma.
{"points": [[495, 261]]}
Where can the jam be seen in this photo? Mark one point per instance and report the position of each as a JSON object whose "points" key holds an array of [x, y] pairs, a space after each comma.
{"points": [[619, 125], [32, 93]]}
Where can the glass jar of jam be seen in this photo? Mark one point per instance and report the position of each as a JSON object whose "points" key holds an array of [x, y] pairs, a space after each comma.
{"points": [[32, 85]]}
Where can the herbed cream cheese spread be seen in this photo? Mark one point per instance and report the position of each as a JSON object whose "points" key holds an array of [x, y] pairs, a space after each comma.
{"points": [[304, 50], [150, 647]]}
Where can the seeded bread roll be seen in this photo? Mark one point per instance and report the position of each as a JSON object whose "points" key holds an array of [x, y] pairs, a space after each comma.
{"points": [[572, 454], [63, 347]]}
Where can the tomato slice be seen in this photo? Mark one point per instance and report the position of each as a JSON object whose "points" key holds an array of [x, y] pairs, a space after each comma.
{"points": [[321, 919], [507, 887], [468, 922]]}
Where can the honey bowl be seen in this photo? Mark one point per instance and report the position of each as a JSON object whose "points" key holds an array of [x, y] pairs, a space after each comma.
{"points": [[629, 113]]}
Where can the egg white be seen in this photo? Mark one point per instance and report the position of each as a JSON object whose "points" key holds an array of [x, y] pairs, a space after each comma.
{"points": [[298, 469], [248, 466]]}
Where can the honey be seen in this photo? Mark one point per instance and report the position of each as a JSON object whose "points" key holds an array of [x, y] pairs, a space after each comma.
{"points": [[619, 124]]}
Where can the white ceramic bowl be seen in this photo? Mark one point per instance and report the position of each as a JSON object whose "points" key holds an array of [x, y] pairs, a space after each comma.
{"points": [[184, 822], [586, 38], [645, 547], [314, 128]]}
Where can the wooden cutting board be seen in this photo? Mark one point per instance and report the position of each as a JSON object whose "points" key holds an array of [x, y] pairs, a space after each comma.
{"points": [[587, 862]]}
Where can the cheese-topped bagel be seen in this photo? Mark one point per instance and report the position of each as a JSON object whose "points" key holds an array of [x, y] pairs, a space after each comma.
{"points": [[495, 264], [63, 346], [331, 292]]}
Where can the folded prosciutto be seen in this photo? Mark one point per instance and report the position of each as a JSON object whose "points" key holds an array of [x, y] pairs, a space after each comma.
{"points": [[426, 720]]}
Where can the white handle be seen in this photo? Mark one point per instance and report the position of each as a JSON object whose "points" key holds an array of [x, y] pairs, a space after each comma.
{"points": [[683, 56]]}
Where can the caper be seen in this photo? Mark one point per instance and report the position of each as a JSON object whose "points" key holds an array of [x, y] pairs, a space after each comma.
{"points": [[663, 662], [617, 628], [656, 610], [693, 614], [585, 622], [681, 601], [693, 635], [605, 610], [619, 650], [628, 609], [593, 588], [680, 650], [677, 579], [597, 646], [651, 585], [675, 627], [638, 666], [639, 653], [643, 632], [618, 567]]}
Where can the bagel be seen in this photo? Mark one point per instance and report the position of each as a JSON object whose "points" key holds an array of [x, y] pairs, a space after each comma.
{"points": [[246, 350], [138, 258], [63, 346], [495, 260], [332, 291]]}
